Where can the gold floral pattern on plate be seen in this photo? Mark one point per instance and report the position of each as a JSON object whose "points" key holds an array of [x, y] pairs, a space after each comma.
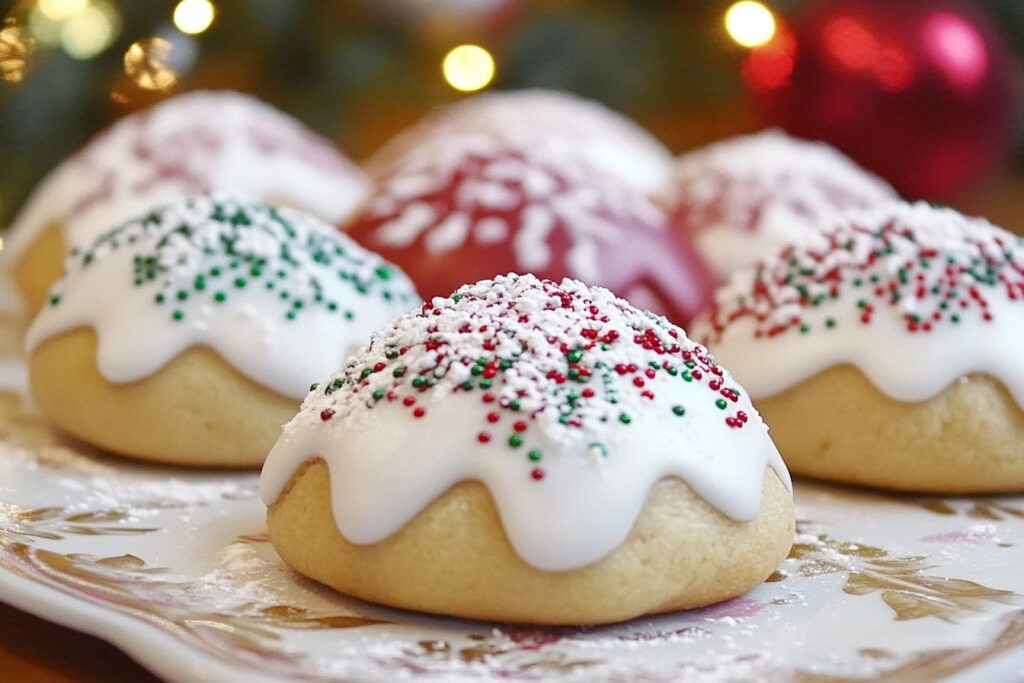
{"points": [[178, 567]]}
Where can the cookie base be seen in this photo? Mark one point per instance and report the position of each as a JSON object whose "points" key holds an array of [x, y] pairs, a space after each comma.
{"points": [[969, 438], [196, 410], [454, 558]]}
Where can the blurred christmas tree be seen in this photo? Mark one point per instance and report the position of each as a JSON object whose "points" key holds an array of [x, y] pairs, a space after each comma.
{"points": [[359, 71]]}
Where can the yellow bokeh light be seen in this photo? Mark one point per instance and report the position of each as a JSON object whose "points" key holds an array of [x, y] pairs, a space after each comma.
{"points": [[89, 32], [468, 67], [145, 62], [15, 50], [193, 16], [59, 10], [750, 23]]}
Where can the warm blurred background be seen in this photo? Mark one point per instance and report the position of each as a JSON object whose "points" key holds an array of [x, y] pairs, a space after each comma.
{"points": [[925, 92]]}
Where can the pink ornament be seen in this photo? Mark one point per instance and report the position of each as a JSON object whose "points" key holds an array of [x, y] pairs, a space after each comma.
{"points": [[918, 91]]}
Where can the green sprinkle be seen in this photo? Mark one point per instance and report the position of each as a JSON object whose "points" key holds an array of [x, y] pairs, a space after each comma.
{"points": [[378, 395], [339, 382], [534, 455], [467, 385], [476, 370], [178, 314], [575, 355], [366, 373], [159, 298], [721, 403], [515, 441], [398, 372], [182, 295], [199, 283], [830, 322], [383, 273], [349, 315], [625, 418], [687, 376], [55, 299], [240, 282], [220, 297], [679, 410], [418, 382], [485, 383], [313, 386], [514, 404]]}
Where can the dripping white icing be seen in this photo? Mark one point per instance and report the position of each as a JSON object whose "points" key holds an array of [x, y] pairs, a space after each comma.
{"points": [[192, 143], [565, 402], [931, 263], [745, 197], [279, 295]]}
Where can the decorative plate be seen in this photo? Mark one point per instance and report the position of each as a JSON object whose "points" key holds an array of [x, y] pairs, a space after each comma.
{"points": [[174, 567]]}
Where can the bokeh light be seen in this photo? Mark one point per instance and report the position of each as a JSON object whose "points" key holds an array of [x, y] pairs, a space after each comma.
{"points": [[146, 64], [15, 50], [468, 68], [89, 32], [193, 16], [60, 10], [750, 23]]}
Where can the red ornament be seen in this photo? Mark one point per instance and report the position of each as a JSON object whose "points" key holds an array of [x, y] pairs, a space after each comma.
{"points": [[918, 91]]}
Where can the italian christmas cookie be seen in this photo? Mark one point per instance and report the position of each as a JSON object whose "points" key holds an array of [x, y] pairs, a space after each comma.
{"points": [[190, 334], [575, 127], [889, 354], [187, 145], [471, 206], [743, 198], [533, 452]]}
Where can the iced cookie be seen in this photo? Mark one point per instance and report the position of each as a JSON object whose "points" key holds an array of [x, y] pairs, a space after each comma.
{"points": [[190, 335], [743, 198], [532, 452], [889, 354], [466, 207], [573, 126], [189, 144]]}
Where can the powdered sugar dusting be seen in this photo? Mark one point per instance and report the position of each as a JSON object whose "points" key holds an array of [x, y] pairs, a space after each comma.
{"points": [[745, 197], [192, 143]]}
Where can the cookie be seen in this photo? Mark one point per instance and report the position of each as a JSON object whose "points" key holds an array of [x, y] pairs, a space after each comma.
{"points": [[470, 206], [574, 126], [189, 144], [743, 198], [533, 452], [190, 334], [889, 353]]}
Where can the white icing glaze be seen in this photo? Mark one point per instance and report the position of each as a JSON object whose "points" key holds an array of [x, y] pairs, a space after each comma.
{"points": [[278, 294], [746, 197], [192, 143], [575, 128], [560, 399], [906, 360]]}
